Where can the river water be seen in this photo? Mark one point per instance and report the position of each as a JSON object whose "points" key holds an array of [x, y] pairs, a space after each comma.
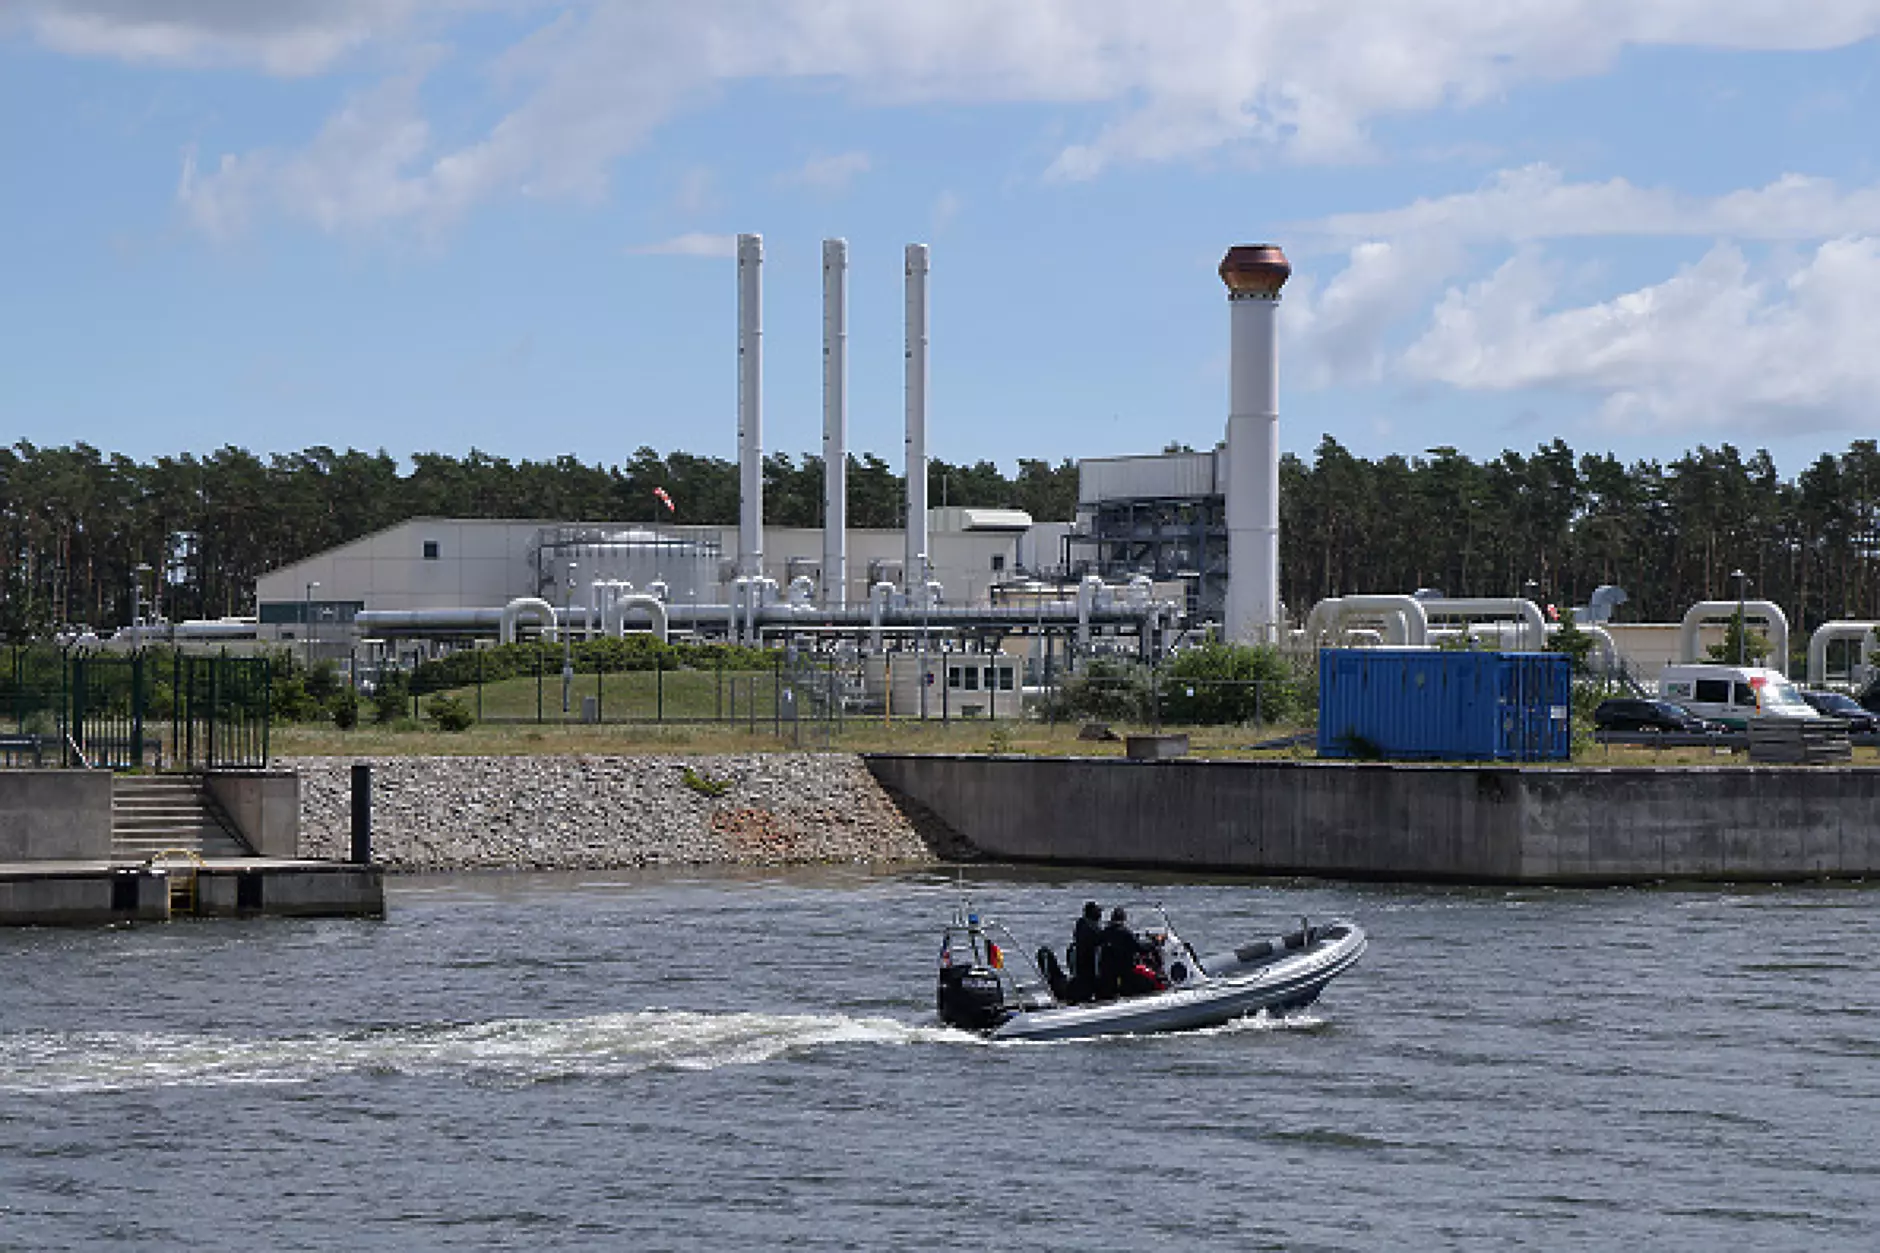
{"points": [[726, 1060]]}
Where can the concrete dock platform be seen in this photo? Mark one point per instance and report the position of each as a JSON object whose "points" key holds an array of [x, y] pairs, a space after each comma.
{"points": [[1402, 822], [93, 893]]}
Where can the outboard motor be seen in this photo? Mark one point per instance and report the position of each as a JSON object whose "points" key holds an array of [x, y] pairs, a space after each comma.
{"points": [[970, 996]]}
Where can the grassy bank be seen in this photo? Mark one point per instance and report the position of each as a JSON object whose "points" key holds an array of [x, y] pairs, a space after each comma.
{"points": [[861, 736]]}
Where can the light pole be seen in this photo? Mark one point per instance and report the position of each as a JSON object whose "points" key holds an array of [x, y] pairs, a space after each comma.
{"points": [[1742, 582], [567, 648], [1530, 589], [306, 620], [138, 572]]}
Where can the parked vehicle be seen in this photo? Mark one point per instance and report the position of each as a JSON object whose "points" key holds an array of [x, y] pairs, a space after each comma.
{"points": [[1733, 695], [1844, 709], [1657, 716]]}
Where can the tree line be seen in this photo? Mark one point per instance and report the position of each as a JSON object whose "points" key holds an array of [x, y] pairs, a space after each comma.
{"points": [[1669, 533], [75, 523]]}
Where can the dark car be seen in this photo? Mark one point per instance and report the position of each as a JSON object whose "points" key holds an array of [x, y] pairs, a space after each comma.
{"points": [[1845, 709], [1628, 714]]}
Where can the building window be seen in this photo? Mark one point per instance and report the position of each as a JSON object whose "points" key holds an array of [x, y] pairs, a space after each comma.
{"points": [[430, 550], [1005, 678], [953, 676], [998, 562]]}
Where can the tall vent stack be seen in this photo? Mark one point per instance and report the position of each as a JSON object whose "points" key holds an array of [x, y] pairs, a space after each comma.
{"points": [[914, 575], [835, 441], [751, 405], [1254, 274]]}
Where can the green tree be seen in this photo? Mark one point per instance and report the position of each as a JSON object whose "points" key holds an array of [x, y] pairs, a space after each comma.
{"points": [[1739, 642], [1572, 641]]}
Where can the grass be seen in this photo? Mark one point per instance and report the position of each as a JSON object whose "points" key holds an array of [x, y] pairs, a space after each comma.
{"points": [[862, 735], [636, 694]]}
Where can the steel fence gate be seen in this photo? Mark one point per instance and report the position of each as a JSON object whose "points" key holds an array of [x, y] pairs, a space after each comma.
{"points": [[146, 709]]}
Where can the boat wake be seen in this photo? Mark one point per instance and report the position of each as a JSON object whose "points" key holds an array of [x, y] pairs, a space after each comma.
{"points": [[501, 1052]]}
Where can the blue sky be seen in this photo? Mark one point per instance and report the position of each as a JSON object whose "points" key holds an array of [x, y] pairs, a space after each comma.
{"points": [[438, 224]]}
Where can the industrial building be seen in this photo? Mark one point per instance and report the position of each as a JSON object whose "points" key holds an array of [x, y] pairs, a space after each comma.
{"points": [[440, 565]]}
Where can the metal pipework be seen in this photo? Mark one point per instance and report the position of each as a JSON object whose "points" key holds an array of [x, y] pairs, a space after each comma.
{"points": [[1710, 610], [912, 574], [1405, 622], [535, 606], [835, 445], [1534, 634], [878, 597], [1839, 629], [751, 404]]}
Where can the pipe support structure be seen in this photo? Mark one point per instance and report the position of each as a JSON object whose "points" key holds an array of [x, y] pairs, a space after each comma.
{"points": [[1767, 612], [1839, 629]]}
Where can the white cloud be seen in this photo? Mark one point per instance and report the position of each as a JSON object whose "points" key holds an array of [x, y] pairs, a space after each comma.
{"points": [[1715, 345], [1722, 343], [1535, 202], [351, 175], [284, 37], [1297, 79], [693, 244], [1339, 333], [830, 174]]}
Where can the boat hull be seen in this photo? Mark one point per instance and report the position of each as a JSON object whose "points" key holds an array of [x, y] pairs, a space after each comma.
{"points": [[1291, 982]]}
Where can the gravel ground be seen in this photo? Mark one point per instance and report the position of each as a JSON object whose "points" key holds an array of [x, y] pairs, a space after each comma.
{"points": [[569, 813]]}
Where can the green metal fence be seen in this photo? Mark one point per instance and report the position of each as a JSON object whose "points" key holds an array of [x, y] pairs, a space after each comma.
{"points": [[141, 710]]}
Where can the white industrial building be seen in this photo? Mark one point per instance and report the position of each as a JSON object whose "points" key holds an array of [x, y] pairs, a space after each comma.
{"points": [[445, 564]]}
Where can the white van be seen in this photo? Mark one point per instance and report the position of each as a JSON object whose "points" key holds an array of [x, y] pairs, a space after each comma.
{"points": [[1733, 695]]}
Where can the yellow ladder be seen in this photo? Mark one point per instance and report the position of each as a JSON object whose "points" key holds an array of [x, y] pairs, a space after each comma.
{"points": [[183, 896]]}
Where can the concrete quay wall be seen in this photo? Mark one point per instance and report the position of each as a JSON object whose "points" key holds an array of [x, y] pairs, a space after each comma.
{"points": [[263, 805], [82, 896], [1495, 824], [55, 815]]}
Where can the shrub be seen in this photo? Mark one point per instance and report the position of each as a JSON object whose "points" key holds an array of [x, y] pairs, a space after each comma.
{"points": [[704, 784], [449, 713], [345, 707], [1221, 683], [391, 700], [1105, 690], [323, 681], [290, 699]]}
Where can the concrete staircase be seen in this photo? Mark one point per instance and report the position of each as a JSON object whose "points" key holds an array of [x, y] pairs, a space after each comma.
{"points": [[150, 813]]}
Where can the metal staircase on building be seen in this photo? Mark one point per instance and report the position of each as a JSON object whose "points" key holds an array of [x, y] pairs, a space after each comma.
{"points": [[169, 812]]}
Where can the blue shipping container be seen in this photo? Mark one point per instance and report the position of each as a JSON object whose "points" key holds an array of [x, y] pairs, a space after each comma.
{"points": [[1416, 704]]}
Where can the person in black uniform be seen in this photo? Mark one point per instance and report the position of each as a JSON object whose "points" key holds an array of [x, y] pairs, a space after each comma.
{"points": [[1116, 959], [1086, 943]]}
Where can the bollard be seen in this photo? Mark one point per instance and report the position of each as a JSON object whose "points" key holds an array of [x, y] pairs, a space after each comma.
{"points": [[361, 813]]}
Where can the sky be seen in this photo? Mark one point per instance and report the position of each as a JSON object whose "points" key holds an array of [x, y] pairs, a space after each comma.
{"points": [[433, 225]]}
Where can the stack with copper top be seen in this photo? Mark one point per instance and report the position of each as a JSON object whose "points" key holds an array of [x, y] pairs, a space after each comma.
{"points": [[1254, 270]]}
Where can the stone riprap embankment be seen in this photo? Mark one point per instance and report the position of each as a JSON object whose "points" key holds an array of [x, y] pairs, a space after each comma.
{"points": [[574, 813]]}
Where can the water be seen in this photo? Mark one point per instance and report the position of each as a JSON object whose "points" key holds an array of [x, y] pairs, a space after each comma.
{"points": [[726, 1060]]}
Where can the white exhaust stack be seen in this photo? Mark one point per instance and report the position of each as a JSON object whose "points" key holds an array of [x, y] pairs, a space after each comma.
{"points": [[1254, 273], [835, 445], [751, 405], [913, 575]]}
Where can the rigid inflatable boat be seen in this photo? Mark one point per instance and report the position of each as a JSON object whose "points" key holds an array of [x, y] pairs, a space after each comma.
{"points": [[989, 986]]}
